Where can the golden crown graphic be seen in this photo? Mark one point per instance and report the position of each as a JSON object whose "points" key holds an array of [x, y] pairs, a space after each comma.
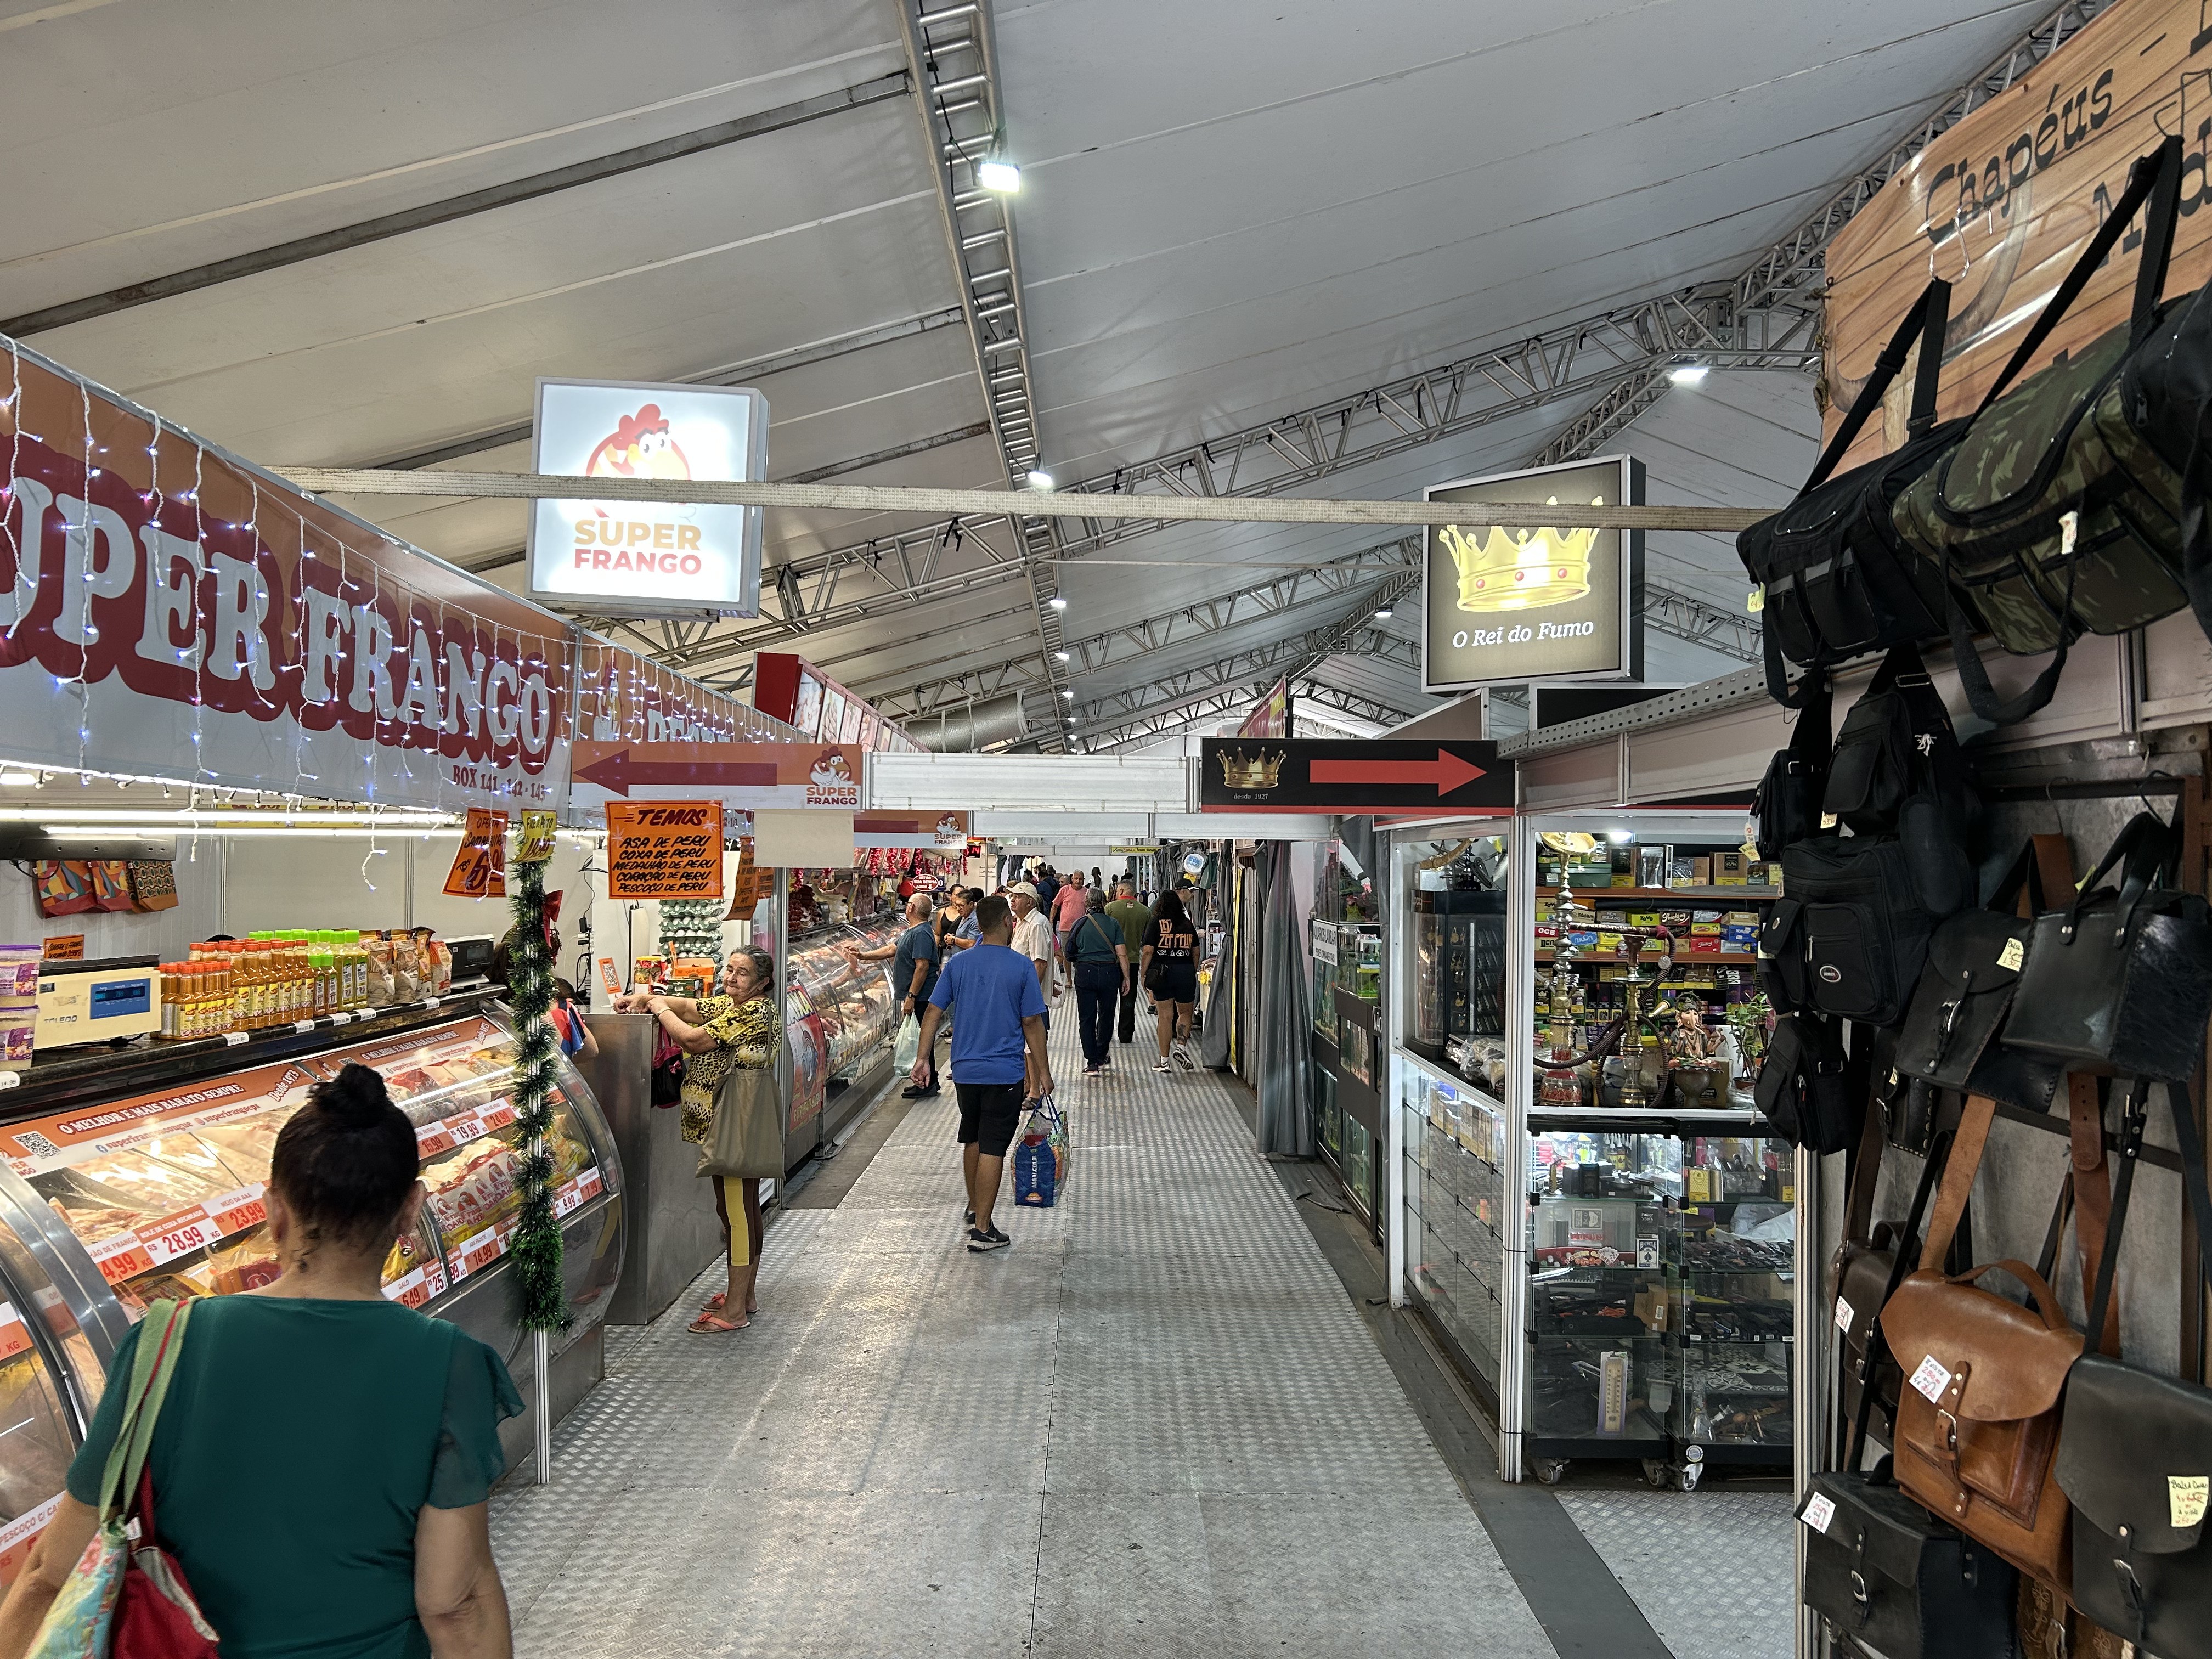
{"points": [[1241, 770], [1521, 569]]}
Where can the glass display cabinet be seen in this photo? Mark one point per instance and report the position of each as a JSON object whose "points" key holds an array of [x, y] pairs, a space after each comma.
{"points": [[1458, 1208]]}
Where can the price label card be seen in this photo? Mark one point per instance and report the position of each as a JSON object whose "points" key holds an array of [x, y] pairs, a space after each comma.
{"points": [[2013, 957], [408, 1288], [498, 1114], [11, 1080], [180, 1239], [119, 1257], [464, 1129], [14, 1338], [234, 1212], [588, 1184], [431, 1140], [1931, 1379], [235, 1039], [1843, 1316], [303, 1025], [1820, 1510], [433, 1278], [341, 1019], [2186, 1497], [432, 1002]]}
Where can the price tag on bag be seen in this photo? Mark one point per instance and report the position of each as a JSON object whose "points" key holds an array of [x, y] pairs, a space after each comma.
{"points": [[1843, 1316], [2013, 956], [1930, 1379], [1820, 1510], [2186, 1496]]}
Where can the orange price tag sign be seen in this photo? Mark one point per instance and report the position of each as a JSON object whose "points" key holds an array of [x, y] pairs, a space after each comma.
{"points": [[68, 947], [480, 863], [234, 1212], [15, 1335]]}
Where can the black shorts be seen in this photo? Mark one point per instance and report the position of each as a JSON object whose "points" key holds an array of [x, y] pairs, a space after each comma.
{"points": [[1174, 982], [990, 1113]]}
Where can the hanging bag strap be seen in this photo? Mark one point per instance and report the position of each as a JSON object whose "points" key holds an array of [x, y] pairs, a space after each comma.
{"points": [[2134, 1115], [1928, 322], [1959, 1171], [2156, 179], [1877, 1346], [160, 1342]]}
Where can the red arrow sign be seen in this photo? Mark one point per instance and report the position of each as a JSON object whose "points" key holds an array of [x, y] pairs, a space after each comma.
{"points": [[617, 773], [1447, 771]]}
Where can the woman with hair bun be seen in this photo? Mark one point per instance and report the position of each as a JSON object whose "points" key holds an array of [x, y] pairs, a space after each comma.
{"points": [[323, 1458]]}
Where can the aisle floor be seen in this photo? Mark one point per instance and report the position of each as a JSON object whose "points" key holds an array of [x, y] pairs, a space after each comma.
{"points": [[1155, 1426]]}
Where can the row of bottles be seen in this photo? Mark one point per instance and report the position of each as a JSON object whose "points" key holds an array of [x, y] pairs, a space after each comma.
{"points": [[269, 978]]}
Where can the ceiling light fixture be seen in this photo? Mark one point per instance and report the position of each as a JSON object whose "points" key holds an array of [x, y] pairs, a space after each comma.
{"points": [[1039, 478], [1003, 177], [224, 832], [1057, 603], [1059, 656], [21, 781], [1070, 696], [1687, 374], [1383, 615]]}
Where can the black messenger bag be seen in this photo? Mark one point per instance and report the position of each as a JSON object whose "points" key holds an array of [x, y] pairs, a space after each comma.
{"points": [[1787, 804], [1974, 959], [2135, 1453], [1890, 1576], [1838, 581], [2119, 984]]}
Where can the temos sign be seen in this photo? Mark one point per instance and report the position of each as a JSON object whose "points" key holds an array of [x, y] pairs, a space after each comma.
{"points": [[648, 558], [1559, 604]]}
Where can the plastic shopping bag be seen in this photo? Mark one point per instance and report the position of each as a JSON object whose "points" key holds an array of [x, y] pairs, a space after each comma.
{"points": [[1040, 1157], [909, 1047]]}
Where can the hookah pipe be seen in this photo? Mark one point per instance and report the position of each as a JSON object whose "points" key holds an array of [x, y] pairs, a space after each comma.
{"points": [[1568, 910]]}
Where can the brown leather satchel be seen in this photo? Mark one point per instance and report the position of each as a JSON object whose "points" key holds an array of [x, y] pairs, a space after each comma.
{"points": [[1978, 1419]]}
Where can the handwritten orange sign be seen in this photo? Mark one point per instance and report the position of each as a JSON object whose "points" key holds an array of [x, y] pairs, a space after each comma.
{"points": [[670, 849], [480, 863], [68, 947]]}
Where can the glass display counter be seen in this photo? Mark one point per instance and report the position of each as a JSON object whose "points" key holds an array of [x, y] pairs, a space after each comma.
{"points": [[143, 1178], [1660, 1299], [1459, 1208], [840, 1018]]}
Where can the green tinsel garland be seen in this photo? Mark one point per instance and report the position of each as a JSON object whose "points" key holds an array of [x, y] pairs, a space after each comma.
{"points": [[534, 1249]]}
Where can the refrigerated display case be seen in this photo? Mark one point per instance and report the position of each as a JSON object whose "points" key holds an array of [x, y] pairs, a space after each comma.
{"points": [[134, 1177], [841, 1021]]}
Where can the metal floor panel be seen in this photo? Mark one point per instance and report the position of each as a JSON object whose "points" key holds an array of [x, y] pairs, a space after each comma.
{"points": [[1714, 1572], [1155, 1425]]}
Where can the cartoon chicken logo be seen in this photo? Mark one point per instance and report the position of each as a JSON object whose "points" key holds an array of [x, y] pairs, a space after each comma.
{"points": [[640, 446], [829, 769]]}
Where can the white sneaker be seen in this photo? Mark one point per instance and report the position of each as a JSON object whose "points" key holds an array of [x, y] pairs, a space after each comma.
{"points": [[1182, 1057]]}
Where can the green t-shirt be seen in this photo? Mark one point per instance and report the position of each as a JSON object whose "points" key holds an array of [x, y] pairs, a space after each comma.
{"points": [[298, 1444], [1131, 917]]}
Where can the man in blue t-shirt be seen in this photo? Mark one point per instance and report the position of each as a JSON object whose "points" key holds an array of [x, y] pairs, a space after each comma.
{"points": [[913, 959], [998, 1055]]}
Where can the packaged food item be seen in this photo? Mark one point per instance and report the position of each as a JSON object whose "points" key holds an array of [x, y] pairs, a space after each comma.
{"points": [[473, 1189], [133, 1178], [383, 991], [245, 1264], [438, 962], [19, 1022], [19, 970], [406, 968]]}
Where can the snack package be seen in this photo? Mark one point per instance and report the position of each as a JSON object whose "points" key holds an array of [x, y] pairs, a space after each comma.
{"points": [[382, 992], [406, 969], [437, 962]]}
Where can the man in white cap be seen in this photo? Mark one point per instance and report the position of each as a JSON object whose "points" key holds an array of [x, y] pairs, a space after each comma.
{"points": [[1033, 936]]}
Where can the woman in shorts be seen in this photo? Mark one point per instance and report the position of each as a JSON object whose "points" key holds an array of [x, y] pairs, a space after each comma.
{"points": [[1169, 967]]}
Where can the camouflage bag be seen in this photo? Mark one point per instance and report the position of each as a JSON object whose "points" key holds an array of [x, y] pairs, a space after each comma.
{"points": [[1837, 581], [2060, 512]]}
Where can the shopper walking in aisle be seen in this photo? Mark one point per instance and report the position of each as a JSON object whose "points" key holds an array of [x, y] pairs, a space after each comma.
{"points": [[1131, 918], [1033, 939], [324, 1454], [970, 931], [912, 958], [1100, 961], [1067, 910], [1168, 964], [1047, 888], [946, 924], [719, 1034], [998, 1057]]}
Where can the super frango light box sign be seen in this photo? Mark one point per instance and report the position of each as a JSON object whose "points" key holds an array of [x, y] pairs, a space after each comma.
{"points": [[1563, 603], [647, 558]]}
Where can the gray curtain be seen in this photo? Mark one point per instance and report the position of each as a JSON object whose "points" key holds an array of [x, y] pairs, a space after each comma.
{"points": [[1283, 1055], [1213, 1037]]}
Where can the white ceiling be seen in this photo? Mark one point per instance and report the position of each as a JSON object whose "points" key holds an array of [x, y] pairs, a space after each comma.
{"points": [[1232, 210]]}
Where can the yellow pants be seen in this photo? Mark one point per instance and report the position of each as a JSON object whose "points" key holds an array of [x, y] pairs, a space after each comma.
{"points": [[741, 1233]]}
